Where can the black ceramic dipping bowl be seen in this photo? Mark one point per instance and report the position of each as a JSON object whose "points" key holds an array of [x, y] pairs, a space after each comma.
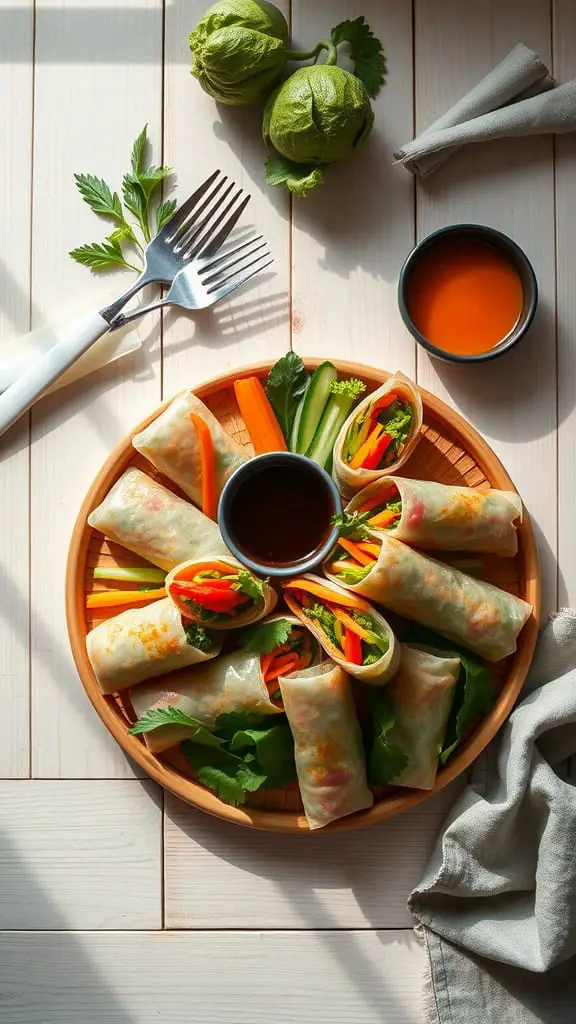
{"points": [[509, 249], [275, 514]]}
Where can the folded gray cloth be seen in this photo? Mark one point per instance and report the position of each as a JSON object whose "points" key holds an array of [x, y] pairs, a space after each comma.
{"points": [[521, 75], [497, 906]]}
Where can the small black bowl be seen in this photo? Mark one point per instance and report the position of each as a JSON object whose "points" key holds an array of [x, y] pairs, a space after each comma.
{"points": [[513, 254], [249, 471]]}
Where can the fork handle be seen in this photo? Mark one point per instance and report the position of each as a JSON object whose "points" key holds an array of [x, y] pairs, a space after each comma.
{"points": [[71, 344]]}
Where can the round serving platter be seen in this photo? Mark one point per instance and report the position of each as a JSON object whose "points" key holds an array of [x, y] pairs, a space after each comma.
{"points": [[449, 451]]}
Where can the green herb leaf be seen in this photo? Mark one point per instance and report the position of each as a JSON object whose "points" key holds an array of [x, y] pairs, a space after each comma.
{"points": [[274, 749], [101, 255], [385, 760], [199, 638], [138, 151], [151, 178], [227, 775], [154, 718], [249, 585], [353, 576], [285, 388], [164, 213], [99, 196], [324, 618], [298, 178], [366, 52], [352, 524], [264, 638], [351, 388], [231, 722], [136, 202]]}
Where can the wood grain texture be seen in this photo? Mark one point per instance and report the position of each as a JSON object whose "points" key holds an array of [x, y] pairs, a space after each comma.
{"points": [[80, 854], [508, 184], [351, 880], [16, 70], [234, 978], [200, 136], [102, 103], [351, 235], [564, 44], [450, 450]]}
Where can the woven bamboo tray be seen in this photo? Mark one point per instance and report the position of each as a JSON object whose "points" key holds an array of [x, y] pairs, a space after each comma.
{"points": [[450, 451]]}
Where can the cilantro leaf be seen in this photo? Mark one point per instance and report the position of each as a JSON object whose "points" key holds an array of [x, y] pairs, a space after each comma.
{"points": [[248, 584], [265, 637], [154, 718], [366, 52], [298, 178], [385, 760], [227, 775], [199, 637], [231, 722], [274, 748], [285, 387], [101, 255], [99, 196], [164, 213], [352, 524]]}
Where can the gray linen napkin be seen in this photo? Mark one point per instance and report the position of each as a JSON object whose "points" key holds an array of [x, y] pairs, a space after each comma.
{"points": [[521, 75], [497, 905]]}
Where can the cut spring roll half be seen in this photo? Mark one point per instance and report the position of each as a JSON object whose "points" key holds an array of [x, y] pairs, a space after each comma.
{"points": [[378, 436], [177, 442], [327, 743], [352, 633], [219, 593], [233, 682], [144, 642], [422, 693], [476, 614], [433, 515], [150, 520]]}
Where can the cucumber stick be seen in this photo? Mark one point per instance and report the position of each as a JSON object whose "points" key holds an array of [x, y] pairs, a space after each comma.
{"points": [[297, 417], [315, 401], [335, 414]]}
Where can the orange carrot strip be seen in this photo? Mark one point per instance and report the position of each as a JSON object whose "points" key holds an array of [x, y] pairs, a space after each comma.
{"points": [[356, 551], [370, 548], [384, 495], [281, 667], [258, 415], [343, 565], [208, 463], [190, 571], [350, 623], [348, 600], [265, 662], [384, 518], [367, 447], [111, 598]]}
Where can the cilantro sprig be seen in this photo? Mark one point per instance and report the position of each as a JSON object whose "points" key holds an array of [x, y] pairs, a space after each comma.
{"points": [[265, 637], [366, 52], [139, 191], [385, 759], [352, 524]]}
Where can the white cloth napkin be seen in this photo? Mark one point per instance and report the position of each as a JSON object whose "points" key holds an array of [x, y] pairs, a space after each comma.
{"points": [[497, 905], [487, 111]]}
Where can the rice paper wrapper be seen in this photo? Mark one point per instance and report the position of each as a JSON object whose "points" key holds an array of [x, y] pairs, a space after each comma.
{"points": [[349, 481], [148, 519], [422, 692], [450, 518], [171, 444], [327, 743], [232, 682], [478, 615], [374, 675], [259, 610], [141, 643]]}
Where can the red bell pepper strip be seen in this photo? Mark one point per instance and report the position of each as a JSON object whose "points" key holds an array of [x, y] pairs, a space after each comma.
{"points": [[352, 647], [208, 597], [383, 402], [373, 459]]}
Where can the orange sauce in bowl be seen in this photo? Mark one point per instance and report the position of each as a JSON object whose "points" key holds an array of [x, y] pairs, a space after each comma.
{"points": [[464, 296]]}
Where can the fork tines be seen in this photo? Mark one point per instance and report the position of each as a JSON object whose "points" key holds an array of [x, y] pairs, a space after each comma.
{"points": [[233, 268]]}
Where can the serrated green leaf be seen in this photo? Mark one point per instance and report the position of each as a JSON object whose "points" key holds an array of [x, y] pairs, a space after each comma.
{"points": [[136, 202], [226, 774], [101, 256], [298, 178], [249, 585], [366, 52], [274, 749], [138, 151], [164, 213], [231, 722], [155, 718], [226, 787], [266, 636], [151, 178], [99, 196]]}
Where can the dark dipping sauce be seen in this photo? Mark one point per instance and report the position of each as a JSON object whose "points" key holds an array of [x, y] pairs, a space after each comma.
{"points": [[281, 514]]}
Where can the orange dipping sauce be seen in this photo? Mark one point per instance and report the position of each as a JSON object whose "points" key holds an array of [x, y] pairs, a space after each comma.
{"points": [[464, 296]]}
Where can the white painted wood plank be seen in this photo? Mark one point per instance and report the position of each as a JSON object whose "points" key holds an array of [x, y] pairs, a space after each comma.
{"points": [[16, 37], [200, 136], [219, 876], [351, 235], [80, 854], [508, 184], [98, 80], [564, 44], [215, 978]]}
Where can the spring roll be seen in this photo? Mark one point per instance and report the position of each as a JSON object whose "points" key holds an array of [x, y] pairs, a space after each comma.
{"points": [[327, 743], [378, 436], [433, 515], [219, 593], [151, 521], [352, 633], [473, 613], [422, 693], [171, 444], [144, 642], [240, 681]]}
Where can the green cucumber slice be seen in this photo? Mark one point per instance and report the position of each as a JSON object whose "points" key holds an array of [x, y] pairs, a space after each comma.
{"points": [[315, 401]]}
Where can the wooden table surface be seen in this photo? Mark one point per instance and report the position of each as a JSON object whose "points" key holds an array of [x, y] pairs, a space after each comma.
{"points": [[117, 904]]}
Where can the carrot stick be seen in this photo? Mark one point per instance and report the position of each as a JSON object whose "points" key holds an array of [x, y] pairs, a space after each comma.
{"points": [[281, 667], [111, 598], [383, 495], [208, 463], [349, 623], [258, 415], [367, 447], [348, 600], [265, 662], [370, 548], [356, 551], [187, 574]]}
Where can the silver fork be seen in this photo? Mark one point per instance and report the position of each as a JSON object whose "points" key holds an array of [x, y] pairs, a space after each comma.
{"points": [[191, 229], [208, 278]]}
